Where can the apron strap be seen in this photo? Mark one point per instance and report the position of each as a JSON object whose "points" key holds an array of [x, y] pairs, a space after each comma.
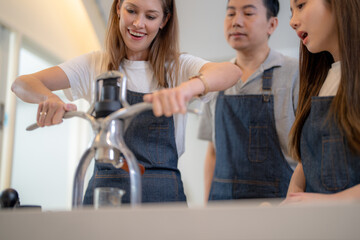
{"points": [[267, 83]]}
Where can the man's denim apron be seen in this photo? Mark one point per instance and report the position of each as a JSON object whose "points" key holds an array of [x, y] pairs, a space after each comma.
{"points": [[249, 160], [152, 140], [329, 165]]}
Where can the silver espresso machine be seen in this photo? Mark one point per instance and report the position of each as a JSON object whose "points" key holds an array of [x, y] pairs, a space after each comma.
{"points": [[109, 115]]}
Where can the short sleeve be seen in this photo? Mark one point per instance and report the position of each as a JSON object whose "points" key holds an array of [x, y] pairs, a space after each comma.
{"points": [[82, 72]]}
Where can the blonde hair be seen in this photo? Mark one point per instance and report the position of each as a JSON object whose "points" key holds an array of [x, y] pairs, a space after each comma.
{"points": [[164, 50]]}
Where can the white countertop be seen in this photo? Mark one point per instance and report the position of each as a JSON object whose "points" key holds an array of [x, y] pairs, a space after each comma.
{"points": [[231, 220]]}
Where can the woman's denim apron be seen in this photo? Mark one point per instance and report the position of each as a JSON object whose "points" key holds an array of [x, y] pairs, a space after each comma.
{"points": [[152, 141], [249, 160], [329, 165]]}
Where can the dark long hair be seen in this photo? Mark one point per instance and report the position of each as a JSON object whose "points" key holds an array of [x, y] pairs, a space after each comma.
{"points": [[314, 67], [164, 50]]}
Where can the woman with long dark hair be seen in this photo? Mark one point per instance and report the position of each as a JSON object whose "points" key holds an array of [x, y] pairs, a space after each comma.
{"points": [[325, 137]]}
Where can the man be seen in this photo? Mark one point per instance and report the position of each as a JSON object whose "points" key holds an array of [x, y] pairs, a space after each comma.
{"points": [[248, 124]]}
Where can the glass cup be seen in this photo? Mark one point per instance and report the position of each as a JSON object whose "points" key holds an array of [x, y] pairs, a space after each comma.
{"points": [[107, 197]]}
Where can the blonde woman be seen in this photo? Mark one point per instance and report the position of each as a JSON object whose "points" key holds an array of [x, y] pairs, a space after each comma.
{"points": [[141, 42]]}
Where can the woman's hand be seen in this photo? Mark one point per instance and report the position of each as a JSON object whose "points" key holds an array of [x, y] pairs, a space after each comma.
{"points": [[312, 198], [52, 110], [349, 195], [298, 198], [172, 100]]}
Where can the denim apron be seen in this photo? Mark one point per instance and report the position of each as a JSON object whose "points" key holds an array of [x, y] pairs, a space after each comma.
{"points": [[152, 140], [329, 165], [249, 160]]}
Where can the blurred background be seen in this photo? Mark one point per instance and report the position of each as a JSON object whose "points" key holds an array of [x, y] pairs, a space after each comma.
{"points": [[41, 33]]}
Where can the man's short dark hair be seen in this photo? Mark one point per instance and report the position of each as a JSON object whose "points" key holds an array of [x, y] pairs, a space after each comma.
{"points": [[272, 8]]}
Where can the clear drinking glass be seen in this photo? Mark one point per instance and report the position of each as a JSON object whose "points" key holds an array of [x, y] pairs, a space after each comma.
{"points": [[107, 197]]}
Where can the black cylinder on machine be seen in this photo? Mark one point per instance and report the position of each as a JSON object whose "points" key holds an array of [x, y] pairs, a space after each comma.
{"points": [[107, 100]]}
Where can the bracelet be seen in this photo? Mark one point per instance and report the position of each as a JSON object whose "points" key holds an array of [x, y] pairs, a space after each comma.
{"points": [[204, 82]]}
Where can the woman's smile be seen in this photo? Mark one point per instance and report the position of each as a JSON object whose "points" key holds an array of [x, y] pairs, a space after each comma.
{"points": [[136, 35], [139, 24]]}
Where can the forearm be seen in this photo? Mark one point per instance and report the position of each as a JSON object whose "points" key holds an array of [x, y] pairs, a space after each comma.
{"points": [[297, 182], [209, 168], [352, 193], [221, 76], [38, 87], [30, 89], [217, 77], [296, 194]]}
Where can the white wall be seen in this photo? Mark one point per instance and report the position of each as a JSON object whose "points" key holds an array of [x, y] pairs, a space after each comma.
{"points": [[62, 28]]}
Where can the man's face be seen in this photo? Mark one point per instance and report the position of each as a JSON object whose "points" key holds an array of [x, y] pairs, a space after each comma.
{"points": [[246, 25]]}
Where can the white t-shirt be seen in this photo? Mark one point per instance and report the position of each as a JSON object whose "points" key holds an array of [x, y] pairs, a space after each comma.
{"points": [[83, 70], [332, 81]]}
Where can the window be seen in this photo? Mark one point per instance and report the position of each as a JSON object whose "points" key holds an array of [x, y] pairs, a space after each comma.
{"points": [[44, 160]]}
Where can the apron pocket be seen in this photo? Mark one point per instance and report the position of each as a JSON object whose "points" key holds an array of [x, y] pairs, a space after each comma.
{"points": [[158, 141], [258, 144], [334, 170]]}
